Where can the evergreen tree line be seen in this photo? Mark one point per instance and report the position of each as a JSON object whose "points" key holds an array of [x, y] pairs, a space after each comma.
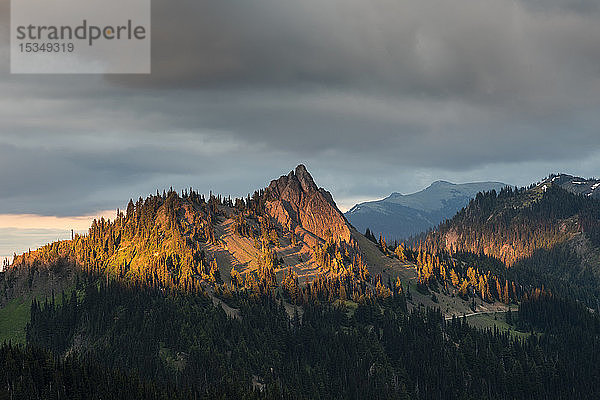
{"points": [[186, 347]]}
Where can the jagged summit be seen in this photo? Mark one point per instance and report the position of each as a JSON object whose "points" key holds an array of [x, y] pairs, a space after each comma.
{"points": [[296, 181], [306, 180], [295, 201]]}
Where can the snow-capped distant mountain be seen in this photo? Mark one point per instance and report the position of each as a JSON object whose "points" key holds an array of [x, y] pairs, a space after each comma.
{"points": [[400, 216], [574, 184]]}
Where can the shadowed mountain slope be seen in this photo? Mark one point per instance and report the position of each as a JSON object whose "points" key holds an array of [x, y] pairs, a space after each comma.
{"points": [[547, 234]]}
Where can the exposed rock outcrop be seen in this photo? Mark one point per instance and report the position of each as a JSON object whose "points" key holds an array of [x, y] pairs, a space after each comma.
{"points": [[296, 201]]}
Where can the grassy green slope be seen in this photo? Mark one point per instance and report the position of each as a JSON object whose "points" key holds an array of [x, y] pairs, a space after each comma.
{"points": [[13, 320]]}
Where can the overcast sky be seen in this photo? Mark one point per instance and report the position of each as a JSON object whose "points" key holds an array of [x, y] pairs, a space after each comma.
{"points": [[373, 96]]}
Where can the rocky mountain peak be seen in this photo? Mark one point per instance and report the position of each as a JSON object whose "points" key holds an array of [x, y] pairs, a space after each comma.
{"points": [[296, 182], [305, 179], [296, 202]]}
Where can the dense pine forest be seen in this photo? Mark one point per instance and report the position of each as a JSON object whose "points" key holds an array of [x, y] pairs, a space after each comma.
{"points": [[108, 338]]}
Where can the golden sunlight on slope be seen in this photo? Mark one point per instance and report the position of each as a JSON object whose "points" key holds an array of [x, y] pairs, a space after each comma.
{"points": [[234, 250]]}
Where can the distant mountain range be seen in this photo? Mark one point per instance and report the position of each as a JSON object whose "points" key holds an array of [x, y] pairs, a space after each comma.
{"points": [[400, 216]]}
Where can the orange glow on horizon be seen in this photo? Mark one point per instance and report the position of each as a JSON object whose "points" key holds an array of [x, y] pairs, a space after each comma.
{"points": [[33, 221]]}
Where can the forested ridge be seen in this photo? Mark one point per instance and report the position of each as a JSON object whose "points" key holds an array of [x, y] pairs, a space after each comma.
{"points": [[161, 242], [543, 235], [512, 224]]}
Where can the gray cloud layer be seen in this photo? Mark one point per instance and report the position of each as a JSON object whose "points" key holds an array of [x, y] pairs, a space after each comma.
{"points": [[375, 96]]}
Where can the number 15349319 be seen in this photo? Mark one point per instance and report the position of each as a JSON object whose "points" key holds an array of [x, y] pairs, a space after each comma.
{"points": [[46, 47]]}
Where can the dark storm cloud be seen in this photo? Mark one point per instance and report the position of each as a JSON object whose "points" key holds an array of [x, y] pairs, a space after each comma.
{"points": [[485, 50], [376, 96]]}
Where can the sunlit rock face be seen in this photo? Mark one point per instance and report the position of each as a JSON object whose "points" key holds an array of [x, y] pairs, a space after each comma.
{"points": [[296, 201]]}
